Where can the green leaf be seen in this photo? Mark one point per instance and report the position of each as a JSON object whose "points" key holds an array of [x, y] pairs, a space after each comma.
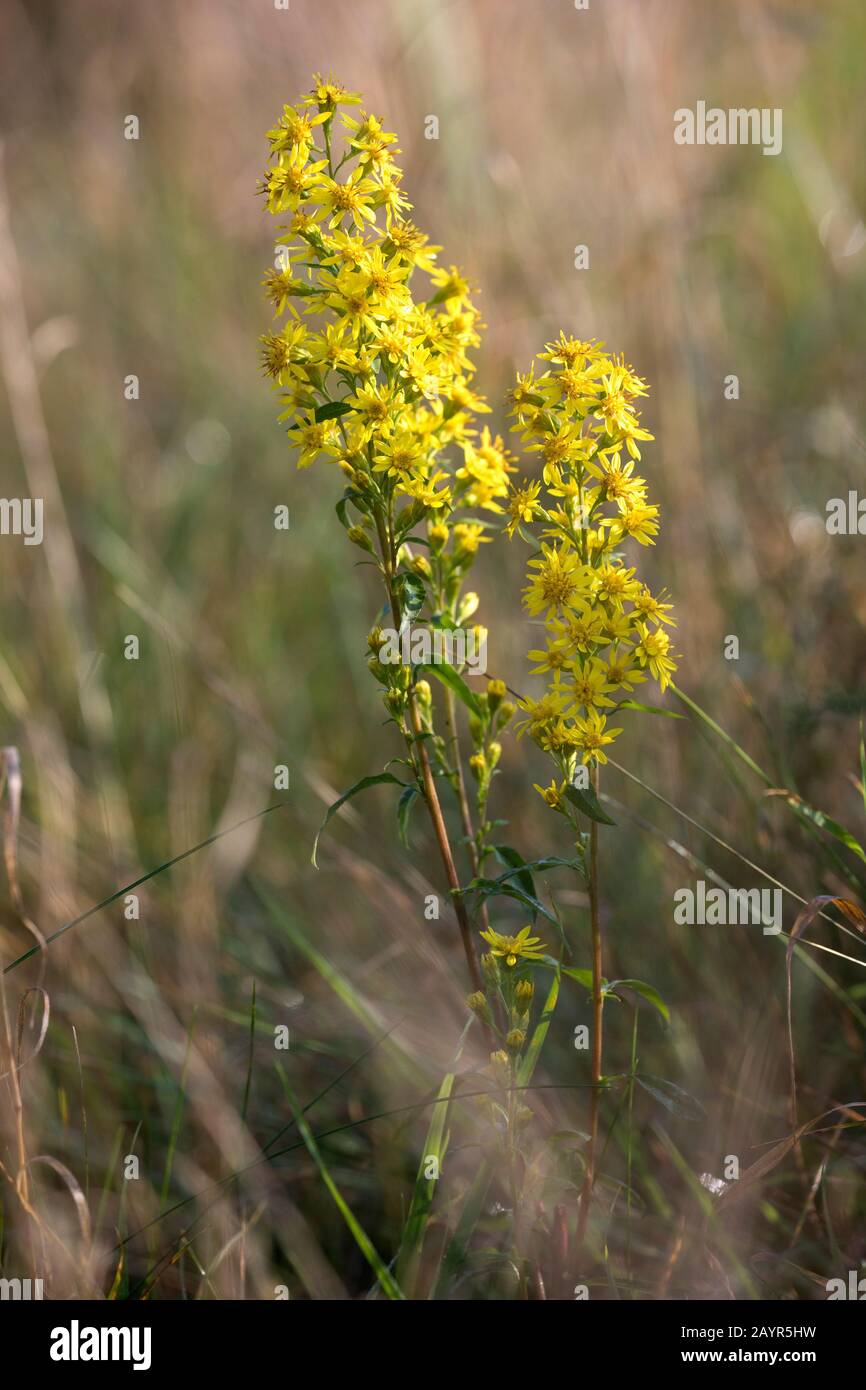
{"points": [[649, 709], [435, 1146], [404, 806], [824, 822], [672, 1097], [720, 733], [331, 410], [458, 1247], [389, 1284], [411, 594], [648, 992], [455, 682], [350, 495], [585, 799], [533, 1052], [517, 868], [361, 786], [494, 887], [583, 977]]}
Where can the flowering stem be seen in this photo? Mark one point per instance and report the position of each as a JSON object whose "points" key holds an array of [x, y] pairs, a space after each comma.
{"points": [[431, 796], [597, 1035]]}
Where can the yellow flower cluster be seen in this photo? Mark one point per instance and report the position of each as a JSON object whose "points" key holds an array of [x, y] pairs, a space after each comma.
{"points": [[605, 630], [373, 373]]}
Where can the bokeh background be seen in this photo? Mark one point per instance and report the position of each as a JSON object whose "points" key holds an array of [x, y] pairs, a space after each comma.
{"points": [[145, 257]]}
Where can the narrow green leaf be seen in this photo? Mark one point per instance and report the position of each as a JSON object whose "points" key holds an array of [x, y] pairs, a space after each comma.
{"points": [[720, 732], [360, 786], [648, 992], [583, 977], [389, 1285], [331, 410], [585, 799], [493, 887], [672, 1097], [649, 709], [517, 868], [533, 1052], [458, 1246], [455, 682], [412, 595], [404, 806], [435, 1146], [825, 822]]}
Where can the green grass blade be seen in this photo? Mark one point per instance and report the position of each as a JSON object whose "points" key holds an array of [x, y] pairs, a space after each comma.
{"points": [[345, 991], [458, 1246], [533, 1052], [388, 1283], [435, 1145]]}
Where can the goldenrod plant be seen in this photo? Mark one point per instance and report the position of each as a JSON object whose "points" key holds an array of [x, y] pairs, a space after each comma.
{"points": [[373, 365], [605, 632]]}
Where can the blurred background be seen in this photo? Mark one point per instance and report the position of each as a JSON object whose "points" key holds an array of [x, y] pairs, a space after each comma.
{"points": [[144, 257]]}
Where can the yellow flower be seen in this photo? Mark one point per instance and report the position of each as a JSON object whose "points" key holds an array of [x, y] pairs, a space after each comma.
{"points": [[523, 946], [353, 198], [400, 455], [294, 130], [581, 630], [648, 607], [622, 673], [637, 520], [282, 353], [614, 583], [552, 795], [590, 686], [328, 94], [424, 490], [312, 438], [540, 712], [370, 140], [592, 736], [559, 583], [468, 535], [653, 649], [522, 505]]}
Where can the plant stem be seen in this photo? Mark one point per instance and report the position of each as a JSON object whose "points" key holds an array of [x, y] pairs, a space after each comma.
{"points": [[597, 1009], [431, 796]]}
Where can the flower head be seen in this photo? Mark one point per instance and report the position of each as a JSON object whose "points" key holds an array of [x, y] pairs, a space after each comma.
{"points": [[511, 949]]}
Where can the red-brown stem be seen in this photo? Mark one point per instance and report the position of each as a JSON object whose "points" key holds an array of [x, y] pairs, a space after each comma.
{"points": [[431, 796], [597, 1036]]}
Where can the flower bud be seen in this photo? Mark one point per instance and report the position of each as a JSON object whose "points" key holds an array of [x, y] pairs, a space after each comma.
{"points": [[495, 694], [490, 967], [421, 565], [514, 1040], [358, 536], [479, 1006], [395, 701], [523, 992], [468, 605], [507, 711], [501, 1068]]}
